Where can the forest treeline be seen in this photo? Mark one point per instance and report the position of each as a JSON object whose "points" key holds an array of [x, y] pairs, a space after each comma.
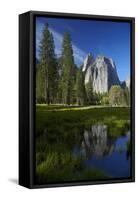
{"points": [[60, 81]]}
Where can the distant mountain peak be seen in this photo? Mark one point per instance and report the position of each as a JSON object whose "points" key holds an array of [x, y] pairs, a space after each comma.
{"points": [[102, 73], [101, 58]]}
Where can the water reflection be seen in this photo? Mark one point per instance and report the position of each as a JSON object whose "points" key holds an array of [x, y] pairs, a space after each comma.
{"points": [[96, 142], [73, 153], [104, 152]]}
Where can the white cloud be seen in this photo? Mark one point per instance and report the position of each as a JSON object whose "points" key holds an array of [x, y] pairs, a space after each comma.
{"points": [[57, 41], [79, 54]]}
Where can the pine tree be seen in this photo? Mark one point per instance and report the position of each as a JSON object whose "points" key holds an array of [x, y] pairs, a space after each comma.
{"points": [[48, 65], [40, 87], [80, 88], [89, 92], [67, 79]]}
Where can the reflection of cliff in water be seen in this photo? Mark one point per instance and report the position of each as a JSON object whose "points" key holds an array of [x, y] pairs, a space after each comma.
{"points": [[96, 142]]}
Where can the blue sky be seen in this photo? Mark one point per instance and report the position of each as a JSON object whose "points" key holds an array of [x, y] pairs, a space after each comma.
{"points": [[111, 39]]}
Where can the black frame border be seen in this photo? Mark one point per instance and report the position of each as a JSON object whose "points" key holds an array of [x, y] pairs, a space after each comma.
{"points": [[32, 106]]}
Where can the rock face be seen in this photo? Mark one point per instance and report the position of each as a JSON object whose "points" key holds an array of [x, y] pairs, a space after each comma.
{"points": [[87, 62], [127, 83], [102, 74]]}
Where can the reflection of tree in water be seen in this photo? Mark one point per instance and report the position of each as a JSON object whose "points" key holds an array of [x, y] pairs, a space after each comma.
{"points": [[96, 142]]}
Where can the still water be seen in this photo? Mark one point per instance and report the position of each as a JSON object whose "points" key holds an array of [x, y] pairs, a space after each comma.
{"points": [[103, 152], [99, 151]]}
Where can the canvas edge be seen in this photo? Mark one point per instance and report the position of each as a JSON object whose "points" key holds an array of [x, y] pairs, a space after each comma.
{"points": [[32, 14]]}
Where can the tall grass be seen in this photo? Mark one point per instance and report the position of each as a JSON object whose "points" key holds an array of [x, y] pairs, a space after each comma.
{"points": [[65, 167]]}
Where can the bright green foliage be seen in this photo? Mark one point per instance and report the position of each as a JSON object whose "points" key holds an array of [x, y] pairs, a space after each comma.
{"points": [[47, 69], [116, 96], [105, 100]]}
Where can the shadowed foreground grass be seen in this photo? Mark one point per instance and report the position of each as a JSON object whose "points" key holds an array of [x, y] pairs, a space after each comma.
{"points": [[58, 167]]}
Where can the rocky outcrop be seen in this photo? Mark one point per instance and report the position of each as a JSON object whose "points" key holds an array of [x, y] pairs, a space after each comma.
{"points": [[102, 73], [127, 81], [87, 62]]}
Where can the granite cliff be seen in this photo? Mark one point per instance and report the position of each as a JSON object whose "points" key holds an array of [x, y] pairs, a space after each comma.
{"points": [[87, 62], [101, 72]]}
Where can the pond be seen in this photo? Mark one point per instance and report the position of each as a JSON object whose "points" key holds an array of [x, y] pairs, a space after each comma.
{"points": [[80, 153], [103, 152]]}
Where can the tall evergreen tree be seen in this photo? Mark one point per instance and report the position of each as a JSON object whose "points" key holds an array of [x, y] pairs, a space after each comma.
{"points": [[80, 88], [89, 92], [67, 81], [59, 88], [48, 65], [40, 86]]}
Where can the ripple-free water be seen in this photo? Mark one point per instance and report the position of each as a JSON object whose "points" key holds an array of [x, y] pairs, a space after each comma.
{"points": [[101, 151]]}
